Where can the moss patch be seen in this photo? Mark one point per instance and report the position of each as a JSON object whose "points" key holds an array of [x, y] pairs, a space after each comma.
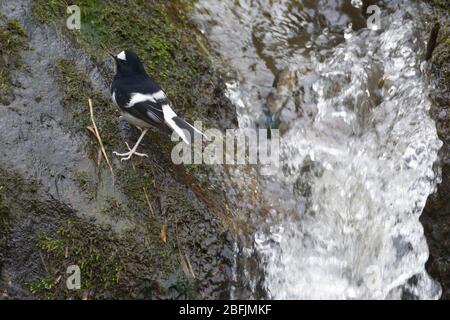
{"points": [[51, 238], [13, 40], [12, 187], [49, 10], [86, 183], [110, 264], [79, 244], [77, 88], [442, 4]]}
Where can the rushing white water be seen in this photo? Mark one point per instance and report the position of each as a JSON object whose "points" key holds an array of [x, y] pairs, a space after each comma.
{"points": [[356, 155]]}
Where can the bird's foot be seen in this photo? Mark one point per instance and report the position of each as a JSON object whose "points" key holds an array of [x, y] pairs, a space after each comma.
{"points": [[127, 156]]}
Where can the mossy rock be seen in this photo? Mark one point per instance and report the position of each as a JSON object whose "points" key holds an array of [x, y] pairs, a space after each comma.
{"points": [[47, 237]]}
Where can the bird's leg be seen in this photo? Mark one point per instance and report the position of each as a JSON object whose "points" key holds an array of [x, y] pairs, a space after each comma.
{"points": [[141, 129], [127, 156]]}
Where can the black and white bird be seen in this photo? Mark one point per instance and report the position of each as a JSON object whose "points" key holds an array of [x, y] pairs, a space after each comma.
{"points": [[143, 103]]}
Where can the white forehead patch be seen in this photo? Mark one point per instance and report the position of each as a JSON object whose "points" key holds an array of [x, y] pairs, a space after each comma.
{"points": [[122, 56]]}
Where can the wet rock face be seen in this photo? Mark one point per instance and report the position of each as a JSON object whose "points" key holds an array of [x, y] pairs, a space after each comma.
{"points": [[436, 221], [436, 215], [59, 202]]}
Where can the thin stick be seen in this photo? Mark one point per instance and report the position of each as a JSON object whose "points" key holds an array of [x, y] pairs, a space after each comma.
{"points": [[148, 202], [185, 262], [43, 261], [97, 135]]}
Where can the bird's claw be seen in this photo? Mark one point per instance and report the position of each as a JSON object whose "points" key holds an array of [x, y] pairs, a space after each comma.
{"points": [[127, 156]]}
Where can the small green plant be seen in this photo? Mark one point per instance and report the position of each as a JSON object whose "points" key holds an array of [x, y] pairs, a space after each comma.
{"points": [[50, 245], [186, 288]]}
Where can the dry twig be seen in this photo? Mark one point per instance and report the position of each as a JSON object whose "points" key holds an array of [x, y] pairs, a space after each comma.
{"points": [[99, 139], [148, 202], [185, 261]]}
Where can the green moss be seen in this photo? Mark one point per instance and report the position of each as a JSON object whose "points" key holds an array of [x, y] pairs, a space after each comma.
{"points": [[12, 188], [77, 89], [99, 259], [92, 248], [134, 181], [442, 54], [187, 288], [48, 10], [116, 209], [13, 39], [107, 262], [443, 4], [50, 245], [12, 185], [43, 286], [110, 262], [172, 52], [82, 178], [86, 184]]}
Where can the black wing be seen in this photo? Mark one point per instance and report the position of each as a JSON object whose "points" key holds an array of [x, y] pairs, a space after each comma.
{"points": [[147, 111]]}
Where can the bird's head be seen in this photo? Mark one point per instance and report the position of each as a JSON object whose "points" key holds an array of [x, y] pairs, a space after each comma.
{"points": [[128, 63]]}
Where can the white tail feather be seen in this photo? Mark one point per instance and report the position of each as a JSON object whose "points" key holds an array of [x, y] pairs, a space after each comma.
{"points": [[169, 114], [171, 118]]}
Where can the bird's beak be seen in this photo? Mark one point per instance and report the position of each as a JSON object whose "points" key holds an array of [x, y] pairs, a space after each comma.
{"points": [[113, 55]]}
